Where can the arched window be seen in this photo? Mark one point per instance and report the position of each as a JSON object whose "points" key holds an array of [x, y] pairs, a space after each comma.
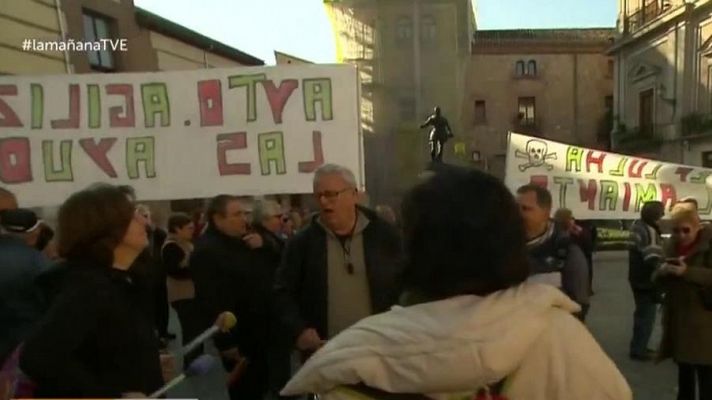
{"points": [[520, 68], [531, 68], [404, 29], [428, 29]]}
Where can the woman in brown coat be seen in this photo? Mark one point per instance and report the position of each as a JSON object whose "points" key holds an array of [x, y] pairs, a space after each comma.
{"points": [[687, 324]]}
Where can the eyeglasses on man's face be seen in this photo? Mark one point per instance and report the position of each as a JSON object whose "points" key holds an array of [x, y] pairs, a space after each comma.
{"points": [[330, 194]]}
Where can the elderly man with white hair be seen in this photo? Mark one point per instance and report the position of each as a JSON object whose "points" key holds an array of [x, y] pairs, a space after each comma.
{"points": [[268, 217], [342, 267]]}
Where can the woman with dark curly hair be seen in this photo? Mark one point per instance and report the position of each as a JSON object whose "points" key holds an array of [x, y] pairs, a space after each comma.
{"points": [[97, 339], [471, 323]]}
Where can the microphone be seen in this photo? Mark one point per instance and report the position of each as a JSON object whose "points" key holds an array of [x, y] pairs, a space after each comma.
{"points": [[200, 366], [223, 323]]}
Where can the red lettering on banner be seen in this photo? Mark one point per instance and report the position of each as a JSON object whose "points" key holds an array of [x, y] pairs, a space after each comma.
{"points": [[683, 172], [597, 161], [9, 117], [128, 120], [626, 196], [211, 104], [540, 180], [668, 194], [227, 142], [587, 192], [15, 166], [639, 172], [72, 121], [98, 153], [278, 96], [311, 166]]}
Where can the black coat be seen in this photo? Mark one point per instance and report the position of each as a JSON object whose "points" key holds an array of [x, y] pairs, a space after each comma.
{"points": [[229, 276], [301, 283], [645, 255], [273, 243], [21, 302], [96, 340]]}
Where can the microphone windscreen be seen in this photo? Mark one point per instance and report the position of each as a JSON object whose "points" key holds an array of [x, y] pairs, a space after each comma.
{"points": [[226, 321], [201, 365]]}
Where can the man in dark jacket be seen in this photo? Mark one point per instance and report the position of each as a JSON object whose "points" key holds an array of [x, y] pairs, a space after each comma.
{"points": [[344, 266], [21, 301], [644, 257], [232, 272], [268, 220], [581, 233], [554, 257]]}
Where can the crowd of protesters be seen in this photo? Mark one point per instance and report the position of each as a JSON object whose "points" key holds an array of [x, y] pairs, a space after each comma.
{"points": [[84, 310]]}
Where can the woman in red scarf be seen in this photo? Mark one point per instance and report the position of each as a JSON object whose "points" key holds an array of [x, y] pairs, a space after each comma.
{"points": [[687, 324]]}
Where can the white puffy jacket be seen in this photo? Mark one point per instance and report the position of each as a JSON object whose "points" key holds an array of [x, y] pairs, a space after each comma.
{"points": [[447, 349]]}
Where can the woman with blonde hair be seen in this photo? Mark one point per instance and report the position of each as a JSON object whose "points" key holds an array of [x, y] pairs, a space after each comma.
{"points": [[686, 278]]}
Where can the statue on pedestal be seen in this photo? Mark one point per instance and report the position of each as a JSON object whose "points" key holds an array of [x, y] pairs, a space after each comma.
{"points": [[439, 134]]}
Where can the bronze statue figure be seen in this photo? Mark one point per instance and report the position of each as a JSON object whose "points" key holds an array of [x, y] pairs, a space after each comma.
{"points": [[439, 134]]}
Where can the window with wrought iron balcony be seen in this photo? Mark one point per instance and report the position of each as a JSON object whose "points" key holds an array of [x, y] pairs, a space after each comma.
{"points": [[648, 11], [525, 120]]}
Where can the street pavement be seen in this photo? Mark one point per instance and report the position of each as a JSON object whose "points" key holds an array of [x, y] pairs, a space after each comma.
{"points": [[610, 320]]}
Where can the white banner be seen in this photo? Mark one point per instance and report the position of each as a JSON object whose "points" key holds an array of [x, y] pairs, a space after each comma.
{"points": [[175, 135], [600, 185]]}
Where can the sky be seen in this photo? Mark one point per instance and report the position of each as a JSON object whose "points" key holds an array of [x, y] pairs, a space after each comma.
{"points": [[302, 29]]}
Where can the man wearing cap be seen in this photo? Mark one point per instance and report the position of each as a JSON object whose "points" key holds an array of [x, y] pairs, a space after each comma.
{"points": [[21, 302]]}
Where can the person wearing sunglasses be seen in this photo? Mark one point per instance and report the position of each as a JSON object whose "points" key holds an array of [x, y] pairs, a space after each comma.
{"points": [[685, 277]]}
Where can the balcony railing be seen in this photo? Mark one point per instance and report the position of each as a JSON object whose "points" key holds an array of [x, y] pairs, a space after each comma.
{"points": [[526, 125], [649, 137], [647, 13], [695, 125]]}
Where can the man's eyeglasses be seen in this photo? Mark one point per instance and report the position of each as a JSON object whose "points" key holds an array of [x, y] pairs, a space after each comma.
{"points": [[330, 194]]}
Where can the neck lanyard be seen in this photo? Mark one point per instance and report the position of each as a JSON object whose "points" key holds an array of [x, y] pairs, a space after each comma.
{"points": [[346, 248]]}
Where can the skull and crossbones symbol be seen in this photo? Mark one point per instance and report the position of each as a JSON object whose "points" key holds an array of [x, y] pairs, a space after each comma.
{"points": [[537, 152]]}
